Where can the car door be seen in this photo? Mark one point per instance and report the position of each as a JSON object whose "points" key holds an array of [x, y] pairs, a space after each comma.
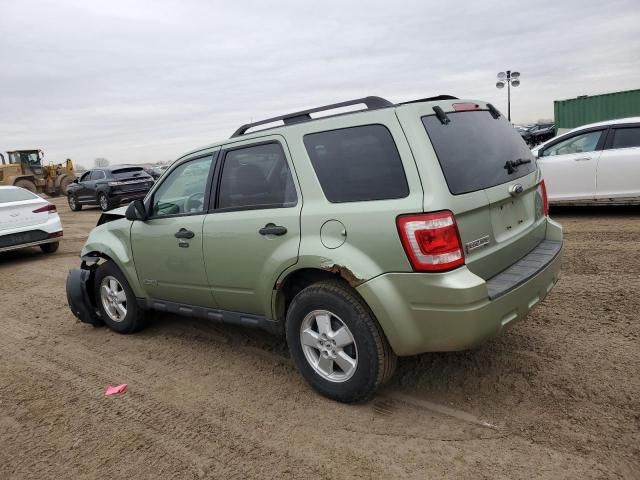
{"points": [[167, 247], [98, 178], [80, 190], [569, 165], [619, 166], [89, 186], [253, 233]]}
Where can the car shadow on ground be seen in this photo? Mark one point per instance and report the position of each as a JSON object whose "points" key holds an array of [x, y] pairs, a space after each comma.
{"points": [[439, 372], [22, 255], [595, 210]]}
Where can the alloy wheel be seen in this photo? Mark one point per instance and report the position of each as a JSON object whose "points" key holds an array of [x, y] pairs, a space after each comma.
{"points": [[114, 298], [328, 346]]}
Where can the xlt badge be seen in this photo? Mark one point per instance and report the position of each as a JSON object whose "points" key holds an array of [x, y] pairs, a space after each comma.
{"points": [[475, 244]]}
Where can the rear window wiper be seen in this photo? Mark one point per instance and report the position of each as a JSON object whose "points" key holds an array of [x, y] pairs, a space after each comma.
{"points": [[512, 165]]}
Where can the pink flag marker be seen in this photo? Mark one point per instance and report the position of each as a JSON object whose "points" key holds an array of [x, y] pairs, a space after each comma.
{"points": [[115, 389]]}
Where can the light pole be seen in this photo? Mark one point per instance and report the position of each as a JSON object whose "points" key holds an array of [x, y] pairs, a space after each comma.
{"points": [[511, 79]]}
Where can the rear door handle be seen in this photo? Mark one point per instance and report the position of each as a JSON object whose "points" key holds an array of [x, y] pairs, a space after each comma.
{"points": [[272, 229], [583, 159], [184, 233]]}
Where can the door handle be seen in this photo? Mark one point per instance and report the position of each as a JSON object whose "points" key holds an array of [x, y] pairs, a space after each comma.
{"points": [[272, 229], [184, 233], [583, 159]]}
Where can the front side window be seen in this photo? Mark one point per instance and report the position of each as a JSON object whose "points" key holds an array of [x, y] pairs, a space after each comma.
{"points": [[587, 142], [85, 176], [97, 175], [626, 137], [357, 164], [184, 190], [256, 177]]}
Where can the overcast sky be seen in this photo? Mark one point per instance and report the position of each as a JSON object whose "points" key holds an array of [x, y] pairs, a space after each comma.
{"points": [[144, 81]]}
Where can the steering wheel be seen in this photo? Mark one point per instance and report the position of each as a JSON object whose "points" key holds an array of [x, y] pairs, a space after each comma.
{"points": [[194, 202]]}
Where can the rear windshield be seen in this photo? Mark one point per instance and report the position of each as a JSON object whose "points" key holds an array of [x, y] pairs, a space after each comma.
{"points": [[15, 195], [473, 150], [129, 172]]}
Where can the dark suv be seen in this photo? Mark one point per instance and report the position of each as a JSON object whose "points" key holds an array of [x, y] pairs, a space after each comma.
{"points": [[108, 187]]}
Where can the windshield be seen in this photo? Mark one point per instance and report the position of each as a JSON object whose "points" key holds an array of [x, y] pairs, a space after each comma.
{"points": [[30, 158], [477, 151]]}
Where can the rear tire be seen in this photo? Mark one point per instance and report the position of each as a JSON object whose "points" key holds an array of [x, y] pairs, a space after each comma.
{"points": [[73, 203], [345, 364], [50, 247], [103, 202], [116, 302], [27, 184]]}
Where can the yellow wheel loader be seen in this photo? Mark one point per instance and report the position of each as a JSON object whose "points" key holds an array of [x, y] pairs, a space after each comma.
{"points": [[24, 168]]}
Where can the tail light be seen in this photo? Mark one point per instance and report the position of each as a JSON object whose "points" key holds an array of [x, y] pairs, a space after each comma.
{"points": [[542, 191], [431, 241], [55, 234], [49, 207]]}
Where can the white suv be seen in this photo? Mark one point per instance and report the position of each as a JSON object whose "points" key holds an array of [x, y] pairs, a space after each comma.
{"points": [[597, 163]]}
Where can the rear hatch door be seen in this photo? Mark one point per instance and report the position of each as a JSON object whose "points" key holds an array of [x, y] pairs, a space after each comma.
{"points": [[131, 179], [490, 182]]}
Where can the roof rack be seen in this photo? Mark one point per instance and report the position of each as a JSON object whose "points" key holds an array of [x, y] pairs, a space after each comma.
{"points": [[372, 103]]}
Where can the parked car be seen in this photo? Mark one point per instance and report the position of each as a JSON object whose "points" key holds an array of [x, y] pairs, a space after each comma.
{"points": [[109, 187], [593, 164], [538, 133], [424, 228], [27, 220]]}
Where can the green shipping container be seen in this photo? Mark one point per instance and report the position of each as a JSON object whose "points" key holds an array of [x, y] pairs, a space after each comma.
{"points": [[582, 110]]}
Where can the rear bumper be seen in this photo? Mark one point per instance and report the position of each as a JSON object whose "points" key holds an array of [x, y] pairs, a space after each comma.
{"points": [[30, 244], [458, 310], [32, 235], [126, 197]]}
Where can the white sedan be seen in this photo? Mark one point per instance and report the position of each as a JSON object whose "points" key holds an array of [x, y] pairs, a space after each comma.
{"points": [[593, 164], [27, 220]]}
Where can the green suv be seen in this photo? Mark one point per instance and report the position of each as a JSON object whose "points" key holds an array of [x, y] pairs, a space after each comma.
{"points": [[391, 230]]}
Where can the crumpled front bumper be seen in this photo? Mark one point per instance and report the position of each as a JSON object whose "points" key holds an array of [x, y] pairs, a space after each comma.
{"points": [[79, 283]]}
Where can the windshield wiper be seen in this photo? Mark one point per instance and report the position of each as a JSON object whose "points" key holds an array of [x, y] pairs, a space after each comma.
{"points": [[512, 165]]}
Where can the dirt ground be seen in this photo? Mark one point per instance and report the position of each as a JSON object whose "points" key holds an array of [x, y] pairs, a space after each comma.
{"points": [[557, 396]]}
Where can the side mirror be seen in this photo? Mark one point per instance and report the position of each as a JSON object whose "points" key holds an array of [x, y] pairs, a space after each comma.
{"points": [[136, 211], [75, 180]]}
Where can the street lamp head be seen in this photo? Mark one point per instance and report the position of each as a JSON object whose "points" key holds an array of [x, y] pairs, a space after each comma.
{"points": [[515, 75], [515, 83], [502, 76], [500, 84]]}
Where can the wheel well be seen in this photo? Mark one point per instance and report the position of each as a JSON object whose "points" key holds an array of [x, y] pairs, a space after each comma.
{"points": [[297, 281]]}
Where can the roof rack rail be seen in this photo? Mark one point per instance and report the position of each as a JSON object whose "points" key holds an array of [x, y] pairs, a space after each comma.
{"points": [[372, 103]]}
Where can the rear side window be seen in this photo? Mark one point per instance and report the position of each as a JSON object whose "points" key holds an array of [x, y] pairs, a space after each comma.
{"points": [[473, 150], [357, 164], [626, 137], [257, 176], [15, 195]]}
